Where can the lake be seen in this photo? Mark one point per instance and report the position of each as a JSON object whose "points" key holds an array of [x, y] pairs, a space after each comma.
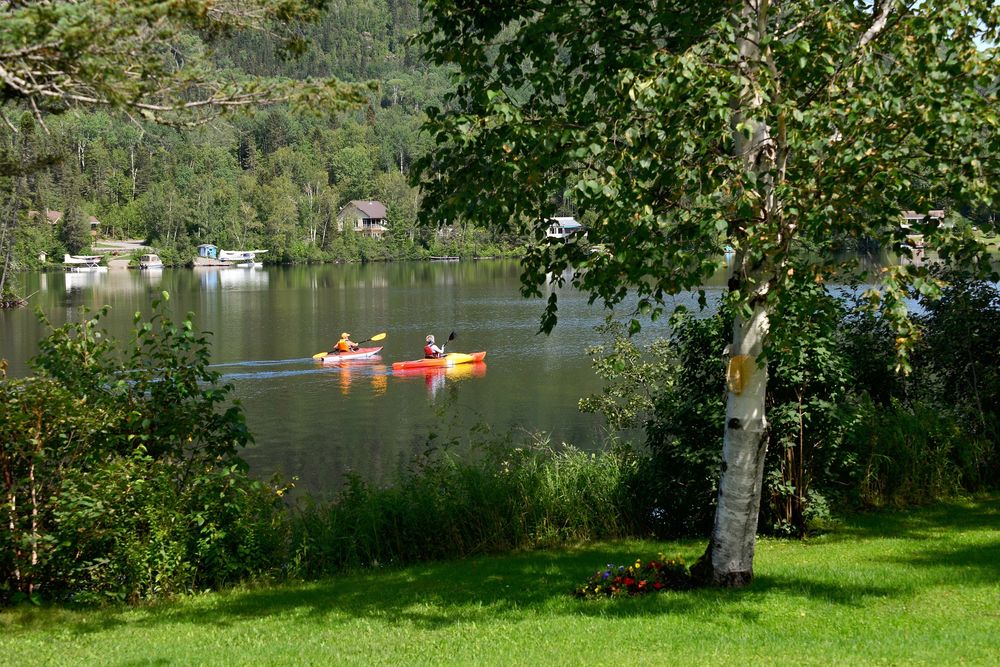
{"points": [[317, 422]]}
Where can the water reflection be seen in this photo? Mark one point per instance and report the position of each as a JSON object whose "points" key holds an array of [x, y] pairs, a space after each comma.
{"points": [[77, 281], [435, 379], [317, 422], [104, 284], [153, 276], [348, 372], [231, 278]]}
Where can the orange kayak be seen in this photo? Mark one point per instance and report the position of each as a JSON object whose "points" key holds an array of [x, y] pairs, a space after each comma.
{"points": [[448, 360]]}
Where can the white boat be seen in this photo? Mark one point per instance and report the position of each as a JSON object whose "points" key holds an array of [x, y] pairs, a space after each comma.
{"points": [[210, 255], [150, 261], [241, 258], [90, 263]]}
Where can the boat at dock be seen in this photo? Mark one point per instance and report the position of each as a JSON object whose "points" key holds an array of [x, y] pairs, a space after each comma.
{"points": [[212, 255], [150, 261], [91, 263]]}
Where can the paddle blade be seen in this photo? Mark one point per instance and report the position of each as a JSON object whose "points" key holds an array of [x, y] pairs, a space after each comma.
{"points": [[378, 336], [320, 355], [451, 336]]}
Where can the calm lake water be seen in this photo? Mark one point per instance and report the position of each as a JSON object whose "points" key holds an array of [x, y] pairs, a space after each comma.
{"points": [[319, 422]]}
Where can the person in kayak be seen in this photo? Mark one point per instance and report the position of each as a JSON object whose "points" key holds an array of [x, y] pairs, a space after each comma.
{"points": [[345, 344], [432, 351]]}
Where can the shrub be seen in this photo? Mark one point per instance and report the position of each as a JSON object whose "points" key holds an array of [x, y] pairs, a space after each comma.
{"points": [[934, 432], [674, 390], [445, 508], [910, 455], [120, 474]]}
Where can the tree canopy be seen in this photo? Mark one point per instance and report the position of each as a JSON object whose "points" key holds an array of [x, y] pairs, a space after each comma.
{"points": [[149, 57], [776, 129]]}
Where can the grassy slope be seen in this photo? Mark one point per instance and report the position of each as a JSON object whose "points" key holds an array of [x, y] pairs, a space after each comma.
{"points": [[891, 588]]}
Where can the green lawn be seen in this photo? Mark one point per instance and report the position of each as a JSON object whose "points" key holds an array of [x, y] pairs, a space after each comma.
{"points": [[892, 588]]}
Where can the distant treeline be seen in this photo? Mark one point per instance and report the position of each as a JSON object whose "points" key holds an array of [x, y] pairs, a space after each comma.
{"points": [[272, 179]]}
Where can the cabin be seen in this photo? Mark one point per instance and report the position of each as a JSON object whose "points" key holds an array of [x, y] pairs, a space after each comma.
{"points": [[208, 251], [367, 218], [563, 228], [55, 217], [914, 239], [910, 217]]}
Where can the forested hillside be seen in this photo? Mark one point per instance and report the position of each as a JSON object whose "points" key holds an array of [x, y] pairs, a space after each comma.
{"points": [[272, 179]]}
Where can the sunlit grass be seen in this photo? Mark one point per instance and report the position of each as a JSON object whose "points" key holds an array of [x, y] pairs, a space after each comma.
{"points": [[921, 587]]}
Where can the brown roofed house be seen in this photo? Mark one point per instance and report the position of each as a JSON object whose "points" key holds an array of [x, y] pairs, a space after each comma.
{"points": [[364, 217]]}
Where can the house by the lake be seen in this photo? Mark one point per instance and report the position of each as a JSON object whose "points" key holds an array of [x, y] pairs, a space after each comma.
{"points": [[915, 239], [367, 218], [563, 228], [55, 217]]}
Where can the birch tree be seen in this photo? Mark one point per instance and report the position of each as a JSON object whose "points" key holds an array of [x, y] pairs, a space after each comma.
{"points": [[774, 128]]}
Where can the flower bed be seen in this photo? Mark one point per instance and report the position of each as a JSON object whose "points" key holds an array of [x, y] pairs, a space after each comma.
{"points": [[650, 577]]}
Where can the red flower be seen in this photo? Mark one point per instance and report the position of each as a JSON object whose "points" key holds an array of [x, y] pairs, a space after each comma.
{"points": [[657, 585], [629, 581]]}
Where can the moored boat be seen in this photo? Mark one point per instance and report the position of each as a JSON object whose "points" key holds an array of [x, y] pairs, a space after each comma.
{"points": [[361, 353], [83, 263], [150, 261], [450, 359]]}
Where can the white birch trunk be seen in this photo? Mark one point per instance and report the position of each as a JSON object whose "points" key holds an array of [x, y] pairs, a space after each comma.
{"points": [[731, 549], [728, 560]]}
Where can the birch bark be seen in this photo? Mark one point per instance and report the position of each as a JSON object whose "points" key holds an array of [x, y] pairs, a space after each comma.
{"points": [[728, 560]]}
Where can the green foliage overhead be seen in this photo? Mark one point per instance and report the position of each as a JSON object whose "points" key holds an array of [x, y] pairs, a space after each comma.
{"points": [[679, 143], [776, 130], [149, 57]]}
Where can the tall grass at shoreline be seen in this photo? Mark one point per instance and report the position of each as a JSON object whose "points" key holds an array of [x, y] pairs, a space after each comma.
{"points": [[449, 508]]}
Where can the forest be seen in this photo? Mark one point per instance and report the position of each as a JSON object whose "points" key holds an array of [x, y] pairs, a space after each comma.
{"points": [[272, 178]]}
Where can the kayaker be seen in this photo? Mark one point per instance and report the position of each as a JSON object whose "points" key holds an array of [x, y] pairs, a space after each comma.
{"points": [[345, 344], [432, 351]]}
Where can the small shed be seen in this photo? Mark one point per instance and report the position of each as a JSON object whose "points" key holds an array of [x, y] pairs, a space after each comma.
{"points": [[208, 250]]}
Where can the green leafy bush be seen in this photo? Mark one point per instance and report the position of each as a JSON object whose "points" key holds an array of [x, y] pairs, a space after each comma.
{"points": [[120, 474]]}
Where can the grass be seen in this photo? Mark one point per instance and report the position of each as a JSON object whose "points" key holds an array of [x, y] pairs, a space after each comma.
{"points": [[892, 588]]}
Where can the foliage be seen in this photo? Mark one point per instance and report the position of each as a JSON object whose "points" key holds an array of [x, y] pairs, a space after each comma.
{"points": [[653, 576], [933, 432], [144, 57], [845, 428], [634, 377], [275, 179], [808, 408], [740, 125], [510, 498], [120, 474], [910, 455]]}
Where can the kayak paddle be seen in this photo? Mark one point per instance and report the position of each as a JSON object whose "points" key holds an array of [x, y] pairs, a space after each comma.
{"points": [[451, 337], [378, 336]]}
